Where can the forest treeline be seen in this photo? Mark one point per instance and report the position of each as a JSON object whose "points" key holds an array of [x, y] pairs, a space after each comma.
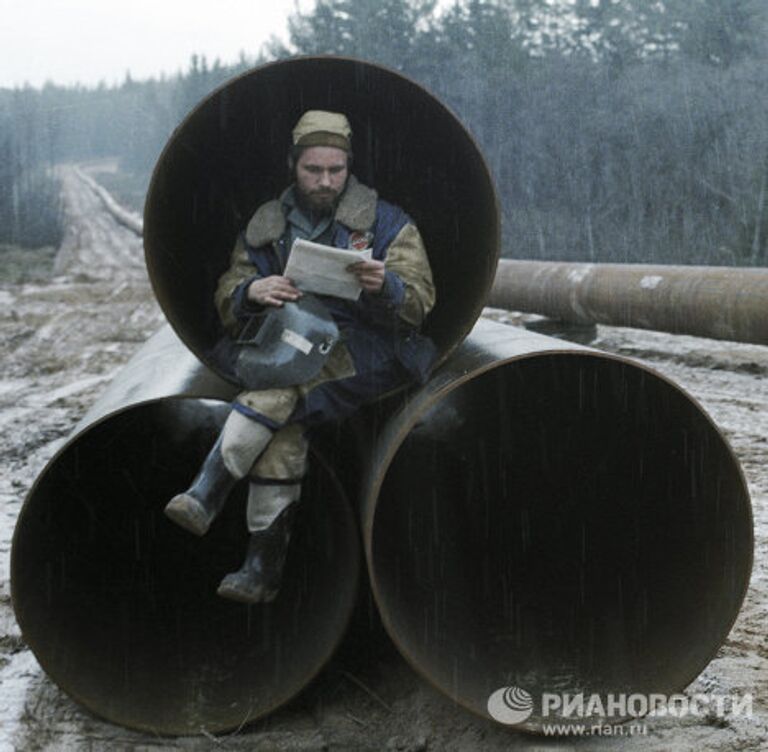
{"points": [[617, 130]]}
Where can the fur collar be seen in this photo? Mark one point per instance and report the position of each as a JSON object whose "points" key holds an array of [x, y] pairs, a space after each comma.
{"points": [[266, 225], [356, 210]]}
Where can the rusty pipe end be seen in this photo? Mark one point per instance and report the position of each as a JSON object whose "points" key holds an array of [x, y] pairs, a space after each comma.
{"points": [[119, 605], [229, 156], [562, 522]]}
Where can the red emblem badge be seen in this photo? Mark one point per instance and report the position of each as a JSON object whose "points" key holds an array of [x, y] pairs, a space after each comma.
{"points": [[360, 240]]}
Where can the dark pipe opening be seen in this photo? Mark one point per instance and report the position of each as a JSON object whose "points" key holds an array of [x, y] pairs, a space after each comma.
{"points": [[562, 523], [229, 156], [119, 605]]}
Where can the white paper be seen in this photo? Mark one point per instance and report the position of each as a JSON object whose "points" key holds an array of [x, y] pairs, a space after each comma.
{"points": [[322, 269]]}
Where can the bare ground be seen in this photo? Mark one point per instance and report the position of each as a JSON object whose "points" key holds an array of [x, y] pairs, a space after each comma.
{"points": [[64, 339]]}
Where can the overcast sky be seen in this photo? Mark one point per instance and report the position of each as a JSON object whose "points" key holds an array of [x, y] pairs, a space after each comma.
{"points": [[86, 41]]}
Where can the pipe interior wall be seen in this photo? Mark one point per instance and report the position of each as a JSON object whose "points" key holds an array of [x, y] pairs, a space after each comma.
{"points": [[229, 156], [561, 521], [119, 605]]}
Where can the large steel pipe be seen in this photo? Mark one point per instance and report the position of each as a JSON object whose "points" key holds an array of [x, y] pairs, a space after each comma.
{"points": [[706, 301], [550, 517], [229, 155], [119, 605]]}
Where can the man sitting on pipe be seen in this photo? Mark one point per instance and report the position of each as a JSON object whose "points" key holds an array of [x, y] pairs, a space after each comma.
{"points": [[324, 356]]}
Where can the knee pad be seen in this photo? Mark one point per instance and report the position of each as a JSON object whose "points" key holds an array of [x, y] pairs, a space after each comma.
{"points": [[242, 441]]}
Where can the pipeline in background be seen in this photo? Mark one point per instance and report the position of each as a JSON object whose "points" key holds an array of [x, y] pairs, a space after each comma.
{"points": [[705, 301]]}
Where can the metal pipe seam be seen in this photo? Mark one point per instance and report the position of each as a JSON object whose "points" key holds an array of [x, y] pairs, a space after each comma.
{"points": [[705, 301], [119, 605], [549, 517], [229, 155]]}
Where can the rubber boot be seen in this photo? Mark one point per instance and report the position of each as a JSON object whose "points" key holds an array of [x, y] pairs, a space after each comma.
{"points": [[240, 442], [258, 580], [200, 504]]}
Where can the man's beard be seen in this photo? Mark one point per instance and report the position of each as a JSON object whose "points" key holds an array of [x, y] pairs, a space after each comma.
{"points": [[319, 203]]}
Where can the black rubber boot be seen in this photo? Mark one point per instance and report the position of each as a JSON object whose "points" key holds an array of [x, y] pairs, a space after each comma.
{"points": [[198, 506], [258, 580]]}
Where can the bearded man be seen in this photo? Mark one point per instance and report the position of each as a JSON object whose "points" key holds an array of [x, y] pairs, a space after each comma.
{"points": [[379, 347]]}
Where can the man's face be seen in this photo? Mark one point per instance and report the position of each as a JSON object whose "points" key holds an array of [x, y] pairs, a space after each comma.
{"points": [[321, 174]]}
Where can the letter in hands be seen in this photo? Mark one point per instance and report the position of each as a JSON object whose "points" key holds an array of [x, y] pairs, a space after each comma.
{"points": [[370, 274], [272, 291]]}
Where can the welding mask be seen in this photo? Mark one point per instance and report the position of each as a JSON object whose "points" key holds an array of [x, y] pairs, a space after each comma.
{"points": [[290, 346]]}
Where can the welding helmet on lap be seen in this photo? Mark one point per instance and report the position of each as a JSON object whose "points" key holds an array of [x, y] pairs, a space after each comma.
{"points": [[289, 347]]}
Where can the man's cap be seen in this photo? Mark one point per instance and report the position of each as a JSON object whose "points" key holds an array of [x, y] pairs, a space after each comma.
{"points": [[322, 128]]}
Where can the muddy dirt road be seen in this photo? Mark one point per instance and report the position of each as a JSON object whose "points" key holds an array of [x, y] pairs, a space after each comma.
{"points": [[64, 340]]}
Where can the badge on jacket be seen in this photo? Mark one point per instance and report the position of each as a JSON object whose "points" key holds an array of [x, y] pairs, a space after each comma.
{"points": [[359, 241]]}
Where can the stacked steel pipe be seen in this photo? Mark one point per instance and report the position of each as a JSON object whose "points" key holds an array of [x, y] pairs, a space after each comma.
{"points": [[538, 515], [550, 517], [119, 605]]}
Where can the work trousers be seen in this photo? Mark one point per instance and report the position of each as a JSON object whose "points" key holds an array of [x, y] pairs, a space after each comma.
{"points": [[344, 384]]}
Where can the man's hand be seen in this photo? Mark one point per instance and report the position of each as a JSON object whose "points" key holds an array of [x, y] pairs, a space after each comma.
{"points": [[370, 274], [272, 291]]}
